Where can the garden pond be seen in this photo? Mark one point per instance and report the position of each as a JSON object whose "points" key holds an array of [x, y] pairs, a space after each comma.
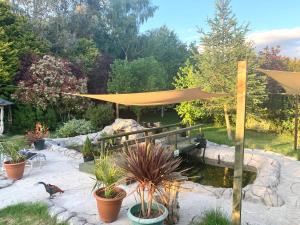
{"points": [[212, 175]]}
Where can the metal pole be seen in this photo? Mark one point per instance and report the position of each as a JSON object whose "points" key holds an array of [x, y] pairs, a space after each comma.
{"points": [[296, 122], [239, 139]]}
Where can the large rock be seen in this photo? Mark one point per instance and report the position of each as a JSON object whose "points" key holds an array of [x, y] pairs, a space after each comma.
{"points": [[120, 125], [271, 198]]}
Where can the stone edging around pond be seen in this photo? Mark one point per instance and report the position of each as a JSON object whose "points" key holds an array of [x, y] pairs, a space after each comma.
{"points": [[264, 188], [63, 215]]}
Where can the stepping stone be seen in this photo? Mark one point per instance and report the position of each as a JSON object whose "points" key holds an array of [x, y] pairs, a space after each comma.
{"points": [[77, 221], [54, 211], [5, 183], [65, 216]]}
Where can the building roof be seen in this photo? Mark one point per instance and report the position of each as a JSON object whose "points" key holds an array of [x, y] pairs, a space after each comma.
{"points": [[4, 102]]}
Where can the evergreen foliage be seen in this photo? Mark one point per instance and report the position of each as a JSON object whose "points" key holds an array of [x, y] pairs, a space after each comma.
{"points": [[215, 69], [100, 115]]}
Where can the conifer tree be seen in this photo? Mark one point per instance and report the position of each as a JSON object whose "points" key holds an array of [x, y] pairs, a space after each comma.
{"points": [[215, 68]]}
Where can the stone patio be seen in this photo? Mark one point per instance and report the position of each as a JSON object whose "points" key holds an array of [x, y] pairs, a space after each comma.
{"points": [[278, 177]]}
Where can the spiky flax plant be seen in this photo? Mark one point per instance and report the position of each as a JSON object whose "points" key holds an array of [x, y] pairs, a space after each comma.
{"points": [[150, 165]]}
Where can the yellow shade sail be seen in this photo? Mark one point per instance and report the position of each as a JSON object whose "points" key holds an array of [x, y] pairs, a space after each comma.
{"points": [[290, 81], [154, 98]]}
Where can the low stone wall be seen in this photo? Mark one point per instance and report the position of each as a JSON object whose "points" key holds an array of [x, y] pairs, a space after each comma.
{"points": [[264, 188]]}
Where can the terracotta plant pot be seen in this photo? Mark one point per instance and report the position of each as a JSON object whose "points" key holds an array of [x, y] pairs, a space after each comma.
{"points": [[109, 208], [14, 171]]}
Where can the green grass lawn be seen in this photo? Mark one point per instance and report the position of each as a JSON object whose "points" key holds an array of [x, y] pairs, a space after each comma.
{"points": [[268, 141], [170, 117], [16, 139], [27, 214]]}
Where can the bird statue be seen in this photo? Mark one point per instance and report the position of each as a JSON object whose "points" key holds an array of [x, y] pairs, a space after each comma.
{"points": [[51, 189]]}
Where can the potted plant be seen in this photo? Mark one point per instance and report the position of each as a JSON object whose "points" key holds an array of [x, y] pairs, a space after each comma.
{"points": [[109, 197], [150, 166], [15, 164], [37, 136], [87, 150]]}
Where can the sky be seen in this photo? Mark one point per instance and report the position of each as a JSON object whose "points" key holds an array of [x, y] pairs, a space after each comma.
{"points": [[271, 22]]}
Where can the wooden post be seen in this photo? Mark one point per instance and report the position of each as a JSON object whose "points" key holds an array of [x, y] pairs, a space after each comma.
{"points": [[176, 139], [102, 146], [117, 111], [239, 139], [296, 122]]}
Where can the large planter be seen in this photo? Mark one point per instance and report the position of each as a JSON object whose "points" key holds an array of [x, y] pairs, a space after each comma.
{"points": [[109, 208], [88, 158], [135, 209], [14, 171], [39, 144]]}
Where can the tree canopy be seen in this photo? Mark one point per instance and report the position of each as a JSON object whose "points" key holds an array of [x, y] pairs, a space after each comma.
{"points": [[215, 68]]}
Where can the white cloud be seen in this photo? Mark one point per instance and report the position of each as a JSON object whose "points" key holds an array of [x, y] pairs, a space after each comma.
{"points": [[288, 39]]}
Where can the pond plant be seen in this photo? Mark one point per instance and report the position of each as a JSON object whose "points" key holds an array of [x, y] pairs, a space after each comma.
{"points": [[150, 166], [37, 136], [15, 163], [108, 196]]}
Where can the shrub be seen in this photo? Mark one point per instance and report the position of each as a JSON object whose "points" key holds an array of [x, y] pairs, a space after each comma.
{"points": [[258, 124], [87, 149], [75, 127], [213, 217], [25, 116], [39, 133], [45, 83], [100, 115]]}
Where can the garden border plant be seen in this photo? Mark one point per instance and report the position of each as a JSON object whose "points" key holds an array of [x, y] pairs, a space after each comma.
{"points": [[15, 165], [150, 166], [37, 136], [109, 197]]}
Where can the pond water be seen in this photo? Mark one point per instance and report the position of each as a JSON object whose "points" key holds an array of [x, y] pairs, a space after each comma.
{"points": [[212, 175]]}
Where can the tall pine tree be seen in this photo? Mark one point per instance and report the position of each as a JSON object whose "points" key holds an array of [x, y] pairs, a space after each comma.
{"points": [[215, 68]]}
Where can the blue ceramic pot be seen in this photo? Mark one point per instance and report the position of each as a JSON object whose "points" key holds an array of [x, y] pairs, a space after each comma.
{"points": [[134, 210]]}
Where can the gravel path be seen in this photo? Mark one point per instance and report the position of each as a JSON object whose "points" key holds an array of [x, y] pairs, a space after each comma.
{"points": [[78, 206]]}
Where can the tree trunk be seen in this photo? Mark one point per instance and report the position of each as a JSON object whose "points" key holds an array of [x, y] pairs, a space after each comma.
{"points": [[228, 125]]}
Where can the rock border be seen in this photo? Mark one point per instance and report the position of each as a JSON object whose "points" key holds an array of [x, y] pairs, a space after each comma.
{"points": [[63, 215], [263, 189]]}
